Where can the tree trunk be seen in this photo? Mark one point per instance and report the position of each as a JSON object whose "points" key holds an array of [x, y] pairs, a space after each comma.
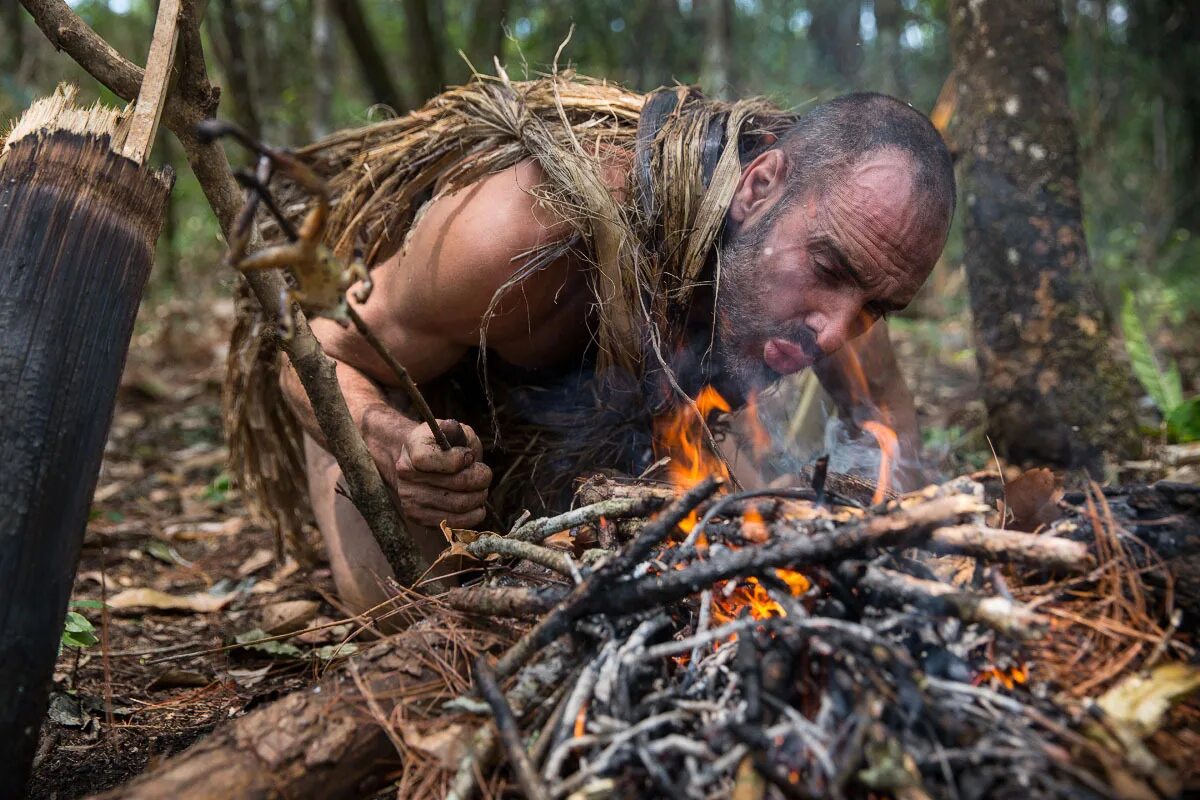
{"points": [[889, 23], [371, 63], [718, 47], [424, 50], [1054, 390], [232, 55], [835, 33], [77, 229], [324, 68], [487, 33], [13, 50]]}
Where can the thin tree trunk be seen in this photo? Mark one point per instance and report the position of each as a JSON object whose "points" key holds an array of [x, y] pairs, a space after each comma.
{"points": [[889, 23], [836, 36], [232, 55], [324, 66], [1054, 390], [371, 63], [12, 51], [487, 33], [424, 50], [718, 47]]}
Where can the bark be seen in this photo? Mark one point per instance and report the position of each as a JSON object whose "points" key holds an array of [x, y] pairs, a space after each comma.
{"points": [[424, 50], [718, 47], [1055, 393], [371, 63], [835, 35], [324, 67], [77, 230]]}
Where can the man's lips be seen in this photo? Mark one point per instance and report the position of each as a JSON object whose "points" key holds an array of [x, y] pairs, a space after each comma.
{"points": [[785, 357]]}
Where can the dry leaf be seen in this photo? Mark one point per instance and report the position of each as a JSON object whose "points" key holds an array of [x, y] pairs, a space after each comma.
{"points": [[175, 678], [260, 558], [288, 616], [445, 745], [560, 541], [1032, 498], [199, 602]]}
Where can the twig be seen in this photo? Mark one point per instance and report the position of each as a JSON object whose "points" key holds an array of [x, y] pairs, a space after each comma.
{"points": [[997, 613], [507, 601], [510, 733], [556, 560], [614, 508], [153, 92], [993, 544], [406, 382]]}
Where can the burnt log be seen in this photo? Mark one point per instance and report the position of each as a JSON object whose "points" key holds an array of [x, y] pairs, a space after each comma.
{"points": [[78, 224]]}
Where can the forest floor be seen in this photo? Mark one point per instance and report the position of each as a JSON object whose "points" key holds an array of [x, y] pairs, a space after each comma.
{"points": [[170, 542]]}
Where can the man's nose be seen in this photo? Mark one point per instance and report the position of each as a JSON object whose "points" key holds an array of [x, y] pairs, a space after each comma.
{"points": [[838, 326]]}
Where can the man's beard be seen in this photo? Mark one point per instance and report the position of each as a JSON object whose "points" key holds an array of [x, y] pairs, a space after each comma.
{"points": [[737, 369]]}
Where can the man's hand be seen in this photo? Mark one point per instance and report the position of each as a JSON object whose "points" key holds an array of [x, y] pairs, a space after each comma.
{"points": [[434, 484]]}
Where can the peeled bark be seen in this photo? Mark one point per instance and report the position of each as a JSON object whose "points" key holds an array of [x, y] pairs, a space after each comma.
{"points": [[1055, 392]]}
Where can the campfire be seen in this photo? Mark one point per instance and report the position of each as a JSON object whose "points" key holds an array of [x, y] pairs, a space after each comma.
{"points": [[695, 641]]}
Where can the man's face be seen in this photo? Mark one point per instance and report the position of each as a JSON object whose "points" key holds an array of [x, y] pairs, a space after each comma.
{"points": [[801, 278]]}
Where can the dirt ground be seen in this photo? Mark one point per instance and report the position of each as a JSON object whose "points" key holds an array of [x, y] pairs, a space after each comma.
{"points": [[166, 520]]}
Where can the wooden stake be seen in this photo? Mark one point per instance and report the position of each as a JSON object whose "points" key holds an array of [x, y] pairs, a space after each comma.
{"points": [[148, 110]]}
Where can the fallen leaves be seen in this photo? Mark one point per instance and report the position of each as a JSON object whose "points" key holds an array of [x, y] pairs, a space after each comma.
{"points": [[198, 602]]}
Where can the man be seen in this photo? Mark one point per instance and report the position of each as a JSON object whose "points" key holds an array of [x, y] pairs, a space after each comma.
{"points": [[833, 221]]}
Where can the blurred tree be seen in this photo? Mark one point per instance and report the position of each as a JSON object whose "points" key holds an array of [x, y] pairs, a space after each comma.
{"points": [[371, 64], [13, 50], [324, 58], [1054, 391], [889, 24], [487, 33], [229, 47], [424, 50], [718, 47], [836, 35]]}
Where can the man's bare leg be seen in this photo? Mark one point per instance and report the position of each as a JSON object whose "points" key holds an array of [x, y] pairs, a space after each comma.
{"points": [[360, 570]]}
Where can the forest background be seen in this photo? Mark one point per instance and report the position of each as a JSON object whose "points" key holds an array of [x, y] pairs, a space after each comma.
{"points": [[293, 71]]}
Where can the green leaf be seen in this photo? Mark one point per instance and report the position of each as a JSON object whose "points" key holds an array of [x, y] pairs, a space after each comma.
{"points": [[77, 631], [1183, 421], [96, 604], [1164, 386], [252, 641]]}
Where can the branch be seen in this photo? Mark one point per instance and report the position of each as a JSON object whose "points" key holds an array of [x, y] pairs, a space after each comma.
{"points": [[195, 99]]}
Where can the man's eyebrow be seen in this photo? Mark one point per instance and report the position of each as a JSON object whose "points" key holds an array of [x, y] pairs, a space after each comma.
{"points": [[831, 248]]}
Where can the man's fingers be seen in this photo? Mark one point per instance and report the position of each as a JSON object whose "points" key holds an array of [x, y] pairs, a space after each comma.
{"points": [[474, 478], [425, 456], [462, 435], [432, 518], [447, 501]]}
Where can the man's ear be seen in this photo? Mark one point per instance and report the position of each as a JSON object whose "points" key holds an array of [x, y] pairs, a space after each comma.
{"points": [[760, 187]]}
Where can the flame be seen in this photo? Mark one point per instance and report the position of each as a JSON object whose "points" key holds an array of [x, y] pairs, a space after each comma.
{"points": [[760, 439], [885, 434], [1009, 678], [889, 444], [581, 721], [681, 436]]}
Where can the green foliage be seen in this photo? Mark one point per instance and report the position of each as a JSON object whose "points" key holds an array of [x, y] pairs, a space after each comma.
{"points": [[77, 631], [218, 491], [1183, 421], [1163, 384]]}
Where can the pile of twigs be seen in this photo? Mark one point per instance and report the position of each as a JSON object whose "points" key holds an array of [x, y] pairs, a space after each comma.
{"points": [[788, 644]]}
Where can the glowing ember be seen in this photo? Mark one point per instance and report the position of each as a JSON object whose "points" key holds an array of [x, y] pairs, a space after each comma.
{"points": [[1009, 678], [888, 447], [754, 528]]}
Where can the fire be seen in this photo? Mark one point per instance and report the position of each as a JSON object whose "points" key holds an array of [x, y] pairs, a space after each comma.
{"points": [[760, 439], [1009, 678], [885, 435], [889, 445], [681, 436]]}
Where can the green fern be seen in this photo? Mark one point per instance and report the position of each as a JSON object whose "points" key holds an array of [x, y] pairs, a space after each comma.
{"points": [[1164, 385]]}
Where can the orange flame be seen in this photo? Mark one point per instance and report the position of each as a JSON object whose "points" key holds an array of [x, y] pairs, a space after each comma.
{"points": [[760, 439], [889, 444], [885, 435], [1013, 676]]}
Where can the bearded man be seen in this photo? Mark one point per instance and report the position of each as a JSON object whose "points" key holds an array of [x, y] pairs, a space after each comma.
{"points": [[625, 250]]}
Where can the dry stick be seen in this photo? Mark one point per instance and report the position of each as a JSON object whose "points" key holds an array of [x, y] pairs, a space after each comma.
{"points": [[510, 732], [406, 382], [902, 528], [578, 603], [998, 613], [993, 544], [613, 508], [556, 560], [193, 101], [508, 601], [148, 110]]}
